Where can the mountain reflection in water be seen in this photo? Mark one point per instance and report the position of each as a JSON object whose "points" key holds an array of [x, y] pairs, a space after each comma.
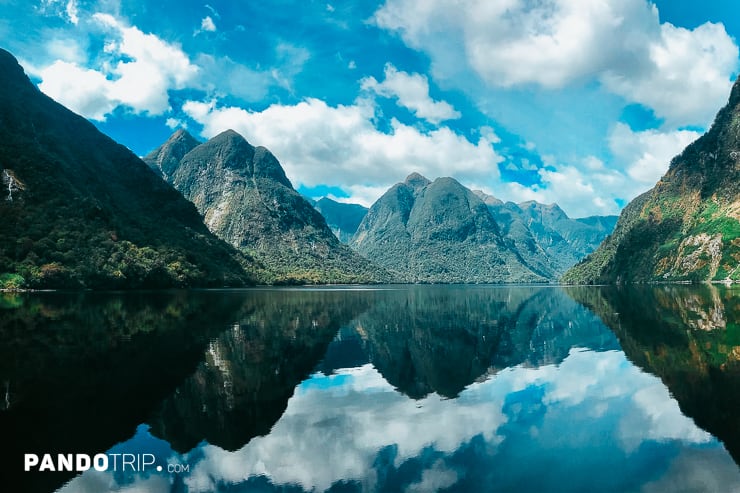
{"points": [[411, 388]]}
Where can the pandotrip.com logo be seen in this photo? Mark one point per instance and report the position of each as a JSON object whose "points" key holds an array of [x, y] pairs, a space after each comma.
{"points": [[99, 462]]}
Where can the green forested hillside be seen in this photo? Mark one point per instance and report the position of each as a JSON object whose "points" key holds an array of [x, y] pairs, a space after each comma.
{"points": [[687, 228], [81, 211]]}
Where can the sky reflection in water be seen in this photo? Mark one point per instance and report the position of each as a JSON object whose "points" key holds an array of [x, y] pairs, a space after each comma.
{"points": [[433, 389], [593, 422]]}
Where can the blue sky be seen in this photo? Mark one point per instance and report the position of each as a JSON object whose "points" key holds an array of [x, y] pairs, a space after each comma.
{"points": [[577, 102]]}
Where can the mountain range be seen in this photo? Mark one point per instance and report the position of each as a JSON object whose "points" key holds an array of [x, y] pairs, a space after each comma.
{"points": [[441, 231], [81, 211], [245, 198], [686, 228]]}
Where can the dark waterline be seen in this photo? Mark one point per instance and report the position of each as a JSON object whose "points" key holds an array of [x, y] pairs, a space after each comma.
{"points": [[387, 388]]}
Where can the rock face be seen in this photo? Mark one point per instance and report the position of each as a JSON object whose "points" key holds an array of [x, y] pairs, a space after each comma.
{"points": [[165, 159], [343, 219], [442, 232], [245, 198], [545, 236], [81, 211], [687, 228], [439, 232]]}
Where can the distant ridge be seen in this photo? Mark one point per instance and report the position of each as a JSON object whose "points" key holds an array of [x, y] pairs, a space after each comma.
{"points": [[343, 219]]}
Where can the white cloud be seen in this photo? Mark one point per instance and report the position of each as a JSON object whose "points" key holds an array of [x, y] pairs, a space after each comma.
{"points": [[579, 190], [692, 67], [155, 66], [140, 70], [66, 49], [174, 123], [555, 43], [207, 24], [82, 90], [223, 76], [412, 92], [339, 145], [590, 187], [213, 11], [646, 155], [437, 478]]}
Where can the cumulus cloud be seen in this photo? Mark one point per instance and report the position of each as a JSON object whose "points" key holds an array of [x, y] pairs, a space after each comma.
{"points": [[140, 70], [84, 91], [647, 154], [340, 145], [554, 43], [577, 188], [693, 67], [411, 91]]}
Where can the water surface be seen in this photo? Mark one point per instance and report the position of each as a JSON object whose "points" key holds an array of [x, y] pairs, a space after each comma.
{"points": [[406, 388]]}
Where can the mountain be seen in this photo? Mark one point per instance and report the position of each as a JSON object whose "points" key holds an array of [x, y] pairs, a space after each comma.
{"points": [[343, 219], [544, 234], [245, 198], [166, 158], [439, 232], [687, 228], [81, 211]]}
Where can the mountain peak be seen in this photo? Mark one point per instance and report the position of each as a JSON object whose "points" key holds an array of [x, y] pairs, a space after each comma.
{"points": [[229, 136], [165, 159], [487, 199], [180, 134], [686, 227], [415, 180], [10, 67], [735, 93]]}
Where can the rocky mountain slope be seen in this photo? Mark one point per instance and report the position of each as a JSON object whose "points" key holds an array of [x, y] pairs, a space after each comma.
{"points": [[246, 199], [687, 228], [544, 234], [439, 232], [442, 232], [81, 211]]}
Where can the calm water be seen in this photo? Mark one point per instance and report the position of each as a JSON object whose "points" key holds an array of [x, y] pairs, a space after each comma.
{"points": [[404, 389]]}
